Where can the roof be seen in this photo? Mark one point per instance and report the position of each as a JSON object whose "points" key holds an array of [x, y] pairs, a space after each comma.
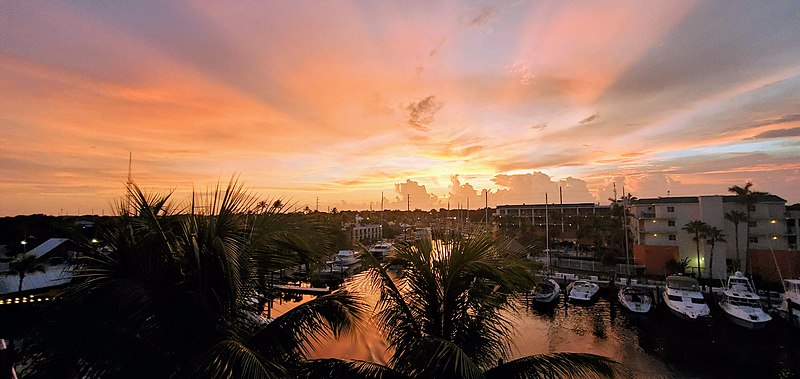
{"points": [[47, 246], [54, 276], [694, 199], [554, 206]]}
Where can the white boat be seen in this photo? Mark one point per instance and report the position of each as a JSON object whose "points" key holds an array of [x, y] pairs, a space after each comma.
{"points": [[345, 258], [791, 294], [380, 250], [583, 290], [683, 298], [546, 292], [741, 303], [635, 300]]}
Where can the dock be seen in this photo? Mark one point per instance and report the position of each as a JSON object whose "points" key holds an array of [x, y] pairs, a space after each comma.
{"points": [[302, 290]]}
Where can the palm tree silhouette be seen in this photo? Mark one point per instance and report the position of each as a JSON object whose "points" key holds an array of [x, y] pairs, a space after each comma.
{"points": [[177, 293], [698, 228], [444, 317]]}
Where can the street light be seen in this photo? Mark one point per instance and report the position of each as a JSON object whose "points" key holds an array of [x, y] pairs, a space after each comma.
{"points": [[24, 246]]}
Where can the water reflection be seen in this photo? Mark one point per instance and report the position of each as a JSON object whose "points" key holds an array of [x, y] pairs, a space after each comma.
{"points": [[655, 345]]}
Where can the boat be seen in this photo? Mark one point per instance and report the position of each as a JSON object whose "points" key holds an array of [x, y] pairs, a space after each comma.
{"points": [[741, 303], [583, 290], [345, 258], [635, 300], [546, 292], [791, 295], [380, 250], [683, 298]]}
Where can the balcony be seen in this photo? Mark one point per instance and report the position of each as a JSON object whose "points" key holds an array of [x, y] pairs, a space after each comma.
{"points": [[647, 215]]}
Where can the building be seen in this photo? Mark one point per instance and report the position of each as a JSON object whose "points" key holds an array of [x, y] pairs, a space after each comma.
{"points": [[657, 226], [565, 218], [793, 226]]}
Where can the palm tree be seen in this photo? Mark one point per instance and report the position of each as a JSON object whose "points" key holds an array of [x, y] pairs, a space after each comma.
{"points": [[697, 228], [445, 317], [23, 265], [736, 218], [178, 293], [747, 198], [713, 235]]}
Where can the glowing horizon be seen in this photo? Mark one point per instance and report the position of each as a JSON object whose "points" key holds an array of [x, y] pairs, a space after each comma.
{"points": [[440, 100]]}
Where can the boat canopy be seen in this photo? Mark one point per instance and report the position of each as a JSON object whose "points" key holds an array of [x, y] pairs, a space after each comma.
{"points": [[682, 283]]}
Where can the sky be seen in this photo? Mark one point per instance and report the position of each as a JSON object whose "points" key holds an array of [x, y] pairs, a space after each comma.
{"points": [[343, 101]]}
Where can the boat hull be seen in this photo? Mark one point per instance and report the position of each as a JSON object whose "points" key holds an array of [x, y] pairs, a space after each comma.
{"points": [[635, 307], [749, 324], [550, 297]]}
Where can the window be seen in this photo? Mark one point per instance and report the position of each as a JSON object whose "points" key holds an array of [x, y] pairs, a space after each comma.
{"points": [[672, 237], [698, 301], [752, 224], [671, 209], [671, 223], [790, 222], [753, 239]]}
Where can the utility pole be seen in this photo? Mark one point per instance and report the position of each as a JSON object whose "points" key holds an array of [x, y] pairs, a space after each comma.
{"points": [[547, 230], [409, 203], [561, 199], [317, 208], [486, 210]]}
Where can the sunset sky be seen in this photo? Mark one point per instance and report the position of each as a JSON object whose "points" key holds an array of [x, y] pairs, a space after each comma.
{"points": [[342, 100]]}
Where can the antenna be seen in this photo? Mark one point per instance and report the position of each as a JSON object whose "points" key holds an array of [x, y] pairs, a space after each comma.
{"points": [[129, 185]]}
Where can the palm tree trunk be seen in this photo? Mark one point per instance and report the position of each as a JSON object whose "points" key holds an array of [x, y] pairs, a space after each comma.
{"points": [[711, 261], [738, 254], [697, 242], [21, 278], [747, 243]]}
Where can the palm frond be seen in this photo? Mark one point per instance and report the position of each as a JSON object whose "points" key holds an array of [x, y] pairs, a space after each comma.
{"points": [[340, 368], [558, 365], [433, 357], [293, 334], [232, 359]]}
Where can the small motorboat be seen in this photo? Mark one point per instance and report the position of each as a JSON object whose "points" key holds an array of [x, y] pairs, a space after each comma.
{"points": [[741, 303], [683, 298], [582, 290], [635, 300], [791, 299], [546, 292], [380, 250]]}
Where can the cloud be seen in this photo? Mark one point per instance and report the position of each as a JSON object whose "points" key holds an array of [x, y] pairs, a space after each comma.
{"points": [[539, 126], [778, 120], [780, 133], [531, 188], [589, 119], [481, 18], [416, 193], [421, 113]]}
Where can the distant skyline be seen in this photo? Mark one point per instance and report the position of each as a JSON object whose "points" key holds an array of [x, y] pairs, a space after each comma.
{"points": [[342, 100]]}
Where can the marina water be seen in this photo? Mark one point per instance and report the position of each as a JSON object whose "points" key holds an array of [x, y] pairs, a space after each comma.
{"points": [[656, 345]]}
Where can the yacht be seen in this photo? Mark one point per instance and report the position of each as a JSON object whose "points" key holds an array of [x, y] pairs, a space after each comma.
{"points": [[792, 294], [345, 258], [582, 290], [683, 298], [546, 292], [380, 250], [635, 300], [741, 303]]}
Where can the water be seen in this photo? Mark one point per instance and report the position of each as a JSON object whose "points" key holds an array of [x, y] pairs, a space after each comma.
{"points": [[656, 345]]}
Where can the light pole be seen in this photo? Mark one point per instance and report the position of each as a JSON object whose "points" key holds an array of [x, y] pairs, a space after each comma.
{"points": [[24, 244]]}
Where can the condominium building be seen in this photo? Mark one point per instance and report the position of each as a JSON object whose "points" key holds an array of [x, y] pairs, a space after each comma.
{"points": [[658, 223]]}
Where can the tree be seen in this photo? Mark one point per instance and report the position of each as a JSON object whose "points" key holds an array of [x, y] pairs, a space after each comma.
{"points": [[747, 198], [445, 317], [23, 265], [698, 228], [736, 218], [180, 293], [713, 235]]}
